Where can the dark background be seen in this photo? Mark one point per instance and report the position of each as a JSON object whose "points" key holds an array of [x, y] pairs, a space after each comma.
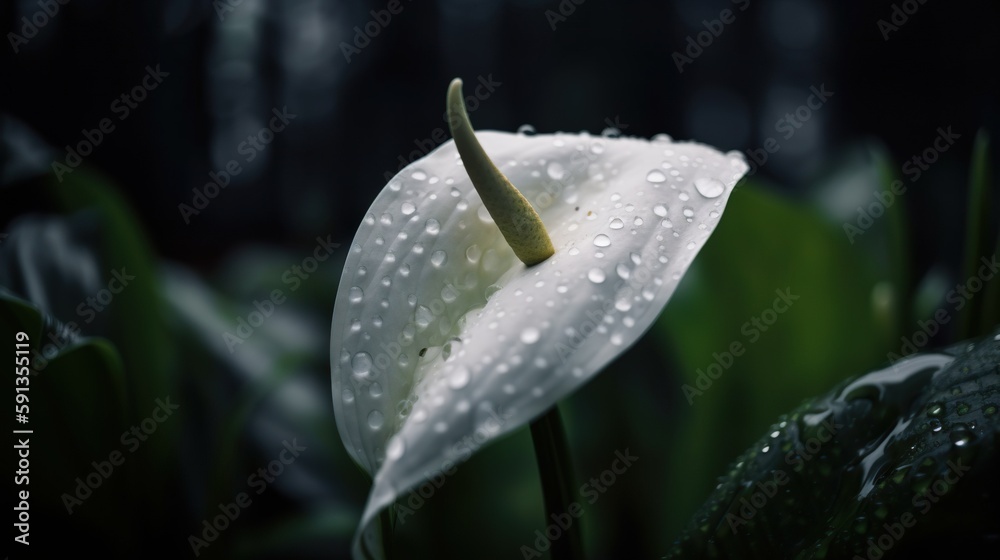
{"points": [[607, 62]]}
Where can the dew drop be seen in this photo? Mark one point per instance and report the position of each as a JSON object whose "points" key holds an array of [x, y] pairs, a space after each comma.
{"points": [[408, 208], [530, 335], [432, 226], [616, 224], [491, 290], [473, 253], [660, 210], [688, 212], [602, 240], [555, 170], [961, 437], [394, 450], [684, 196], [708, 187], [361, 363], [667, 224], [623, 271], [375, 419], [656, 176], [459, 379], [375, 390], [596, 275], [386, 219], [526, 129], [419, 175], [355, 294], [438, 258], [423, 317], [348, 396]]}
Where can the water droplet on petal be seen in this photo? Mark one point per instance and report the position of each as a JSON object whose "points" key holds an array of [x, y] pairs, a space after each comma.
{"points": [[433, 226], [408, 208], [708, 187], [602, 240], [424, 316], [526, 129], [530, 335], [688, 212], [660, 210], [438, 258], [459, 379], [361, 363], [616, 224], [596, 275], [419, 175], [386, 219], [355, 294], [656, 176], [394, 450], [348, 396], [555, 170], [375, 390], [473, 253], [375, 419]]}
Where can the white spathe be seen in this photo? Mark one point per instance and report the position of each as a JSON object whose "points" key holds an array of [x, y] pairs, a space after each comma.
{"points": [[442, 340]]}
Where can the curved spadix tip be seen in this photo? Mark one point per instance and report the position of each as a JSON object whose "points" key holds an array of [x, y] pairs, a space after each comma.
{"points": [[519, 223]]}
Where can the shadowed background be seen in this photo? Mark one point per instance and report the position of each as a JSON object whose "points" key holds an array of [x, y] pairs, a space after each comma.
{"points": [[363, 93]]}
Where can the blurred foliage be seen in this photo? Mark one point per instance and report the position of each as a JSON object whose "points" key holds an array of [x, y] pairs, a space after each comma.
{"points": [[163, 336]]}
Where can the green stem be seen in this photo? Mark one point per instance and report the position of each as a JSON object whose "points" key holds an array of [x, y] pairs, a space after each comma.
{"points": [[556, 472]]}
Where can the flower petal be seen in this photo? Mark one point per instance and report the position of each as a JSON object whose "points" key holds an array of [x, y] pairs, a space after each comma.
{"points": [[442, 340]]}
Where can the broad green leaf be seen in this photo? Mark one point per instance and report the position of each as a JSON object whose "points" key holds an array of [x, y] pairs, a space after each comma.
{"points": [[816, 291], [896, 463]]}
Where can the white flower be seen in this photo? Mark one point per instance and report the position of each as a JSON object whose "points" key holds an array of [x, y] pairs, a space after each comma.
{"points": [[443, 340]]}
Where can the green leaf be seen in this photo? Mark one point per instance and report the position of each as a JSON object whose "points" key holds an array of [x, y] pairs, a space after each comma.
{"points": [[815, 289], [78, 408], [902, 459], [978, 234]]}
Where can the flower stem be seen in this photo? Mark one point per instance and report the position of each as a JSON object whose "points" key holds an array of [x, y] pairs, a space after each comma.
{"points": [[556, 472]]}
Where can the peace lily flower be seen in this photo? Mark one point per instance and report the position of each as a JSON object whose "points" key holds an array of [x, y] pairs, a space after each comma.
{"points": [[457, 322]]}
